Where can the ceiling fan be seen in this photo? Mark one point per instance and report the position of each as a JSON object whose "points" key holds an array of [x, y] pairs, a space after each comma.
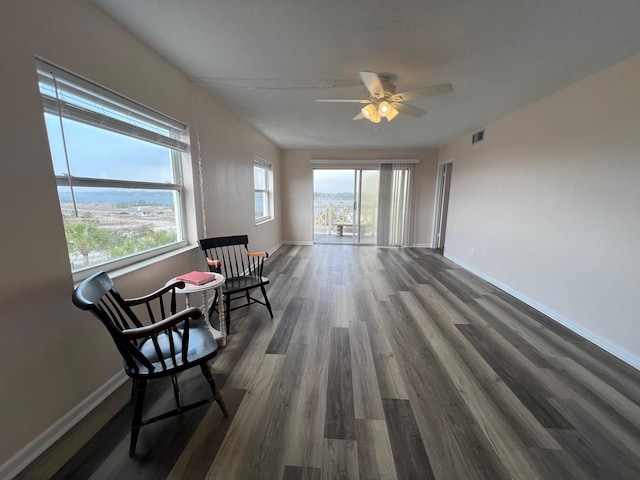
{"points": [[384, 102]]}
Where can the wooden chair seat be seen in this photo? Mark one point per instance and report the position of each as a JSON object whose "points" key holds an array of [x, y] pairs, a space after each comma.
{"points": [[201, 347]]}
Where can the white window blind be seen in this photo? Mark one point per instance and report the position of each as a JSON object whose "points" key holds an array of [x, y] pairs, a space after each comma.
{"points": [[86, 102]]}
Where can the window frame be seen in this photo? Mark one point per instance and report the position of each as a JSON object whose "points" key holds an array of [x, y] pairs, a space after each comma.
{"points": [[144, 124], [266, 192]]}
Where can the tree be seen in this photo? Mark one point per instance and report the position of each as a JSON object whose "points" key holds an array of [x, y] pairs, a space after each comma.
{"points": [[139, 240], [85, 236]]}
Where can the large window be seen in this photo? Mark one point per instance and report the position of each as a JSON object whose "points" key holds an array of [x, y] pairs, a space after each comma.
{"points": [[263, 190], [118, 169]]}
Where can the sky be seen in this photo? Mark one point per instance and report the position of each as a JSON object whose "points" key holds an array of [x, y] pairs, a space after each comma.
{"points": [[333, 181], [99, 153]]}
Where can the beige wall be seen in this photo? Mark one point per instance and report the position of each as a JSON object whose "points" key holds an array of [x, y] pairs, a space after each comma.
{"points": [[52, 356], [549, 204], [297, 187]]}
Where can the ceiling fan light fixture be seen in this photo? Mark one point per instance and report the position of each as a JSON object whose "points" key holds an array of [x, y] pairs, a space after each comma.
{"points": [[370, 112], [384, 108], [392, 113]]}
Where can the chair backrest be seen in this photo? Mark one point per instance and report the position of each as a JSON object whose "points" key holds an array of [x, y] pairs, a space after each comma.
{"points": [[98, 295], [233, 254]]}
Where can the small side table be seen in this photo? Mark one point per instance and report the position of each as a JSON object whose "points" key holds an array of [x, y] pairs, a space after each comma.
{"points": [[189, 289]]}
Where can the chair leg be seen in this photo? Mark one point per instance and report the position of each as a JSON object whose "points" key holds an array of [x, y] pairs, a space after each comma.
{"points": [[213, 306], [176, 392], [227, 311], [217, 396], [266, 300], [139, 390]]}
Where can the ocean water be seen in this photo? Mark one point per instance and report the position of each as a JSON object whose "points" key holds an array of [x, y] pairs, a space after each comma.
{"points": [[114, 196]]}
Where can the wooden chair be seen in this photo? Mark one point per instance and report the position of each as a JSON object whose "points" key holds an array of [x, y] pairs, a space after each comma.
{"points": [[242, 269], [154, 340]]}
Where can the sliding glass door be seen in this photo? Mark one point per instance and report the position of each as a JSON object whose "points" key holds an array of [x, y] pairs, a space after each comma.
{"points": [[367, 182], [364, 206], [345, 205]]}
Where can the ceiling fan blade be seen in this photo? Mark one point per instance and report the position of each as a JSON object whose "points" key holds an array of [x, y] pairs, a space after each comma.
{"points": [[408, 109], [358, 117], [425, 92], [372, 81], [341, 100]]}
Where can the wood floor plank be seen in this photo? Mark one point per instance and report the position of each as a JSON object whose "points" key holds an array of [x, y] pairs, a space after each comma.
{"points": [[340, 459], [599, 442], [410, 456], [269, 463], [448, 430], [366, 392], [528, 429], [375, 456], [389, 379], [609, 369], [605, 393], [292, 472], [498, 433], [304, 437], [340, 416], [502, 323], [515, 378], [195, 461], [282, 336], [244, 439]]}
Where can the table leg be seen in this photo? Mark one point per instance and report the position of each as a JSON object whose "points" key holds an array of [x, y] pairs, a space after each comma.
{"points": [[219, 335], [221, 319]]}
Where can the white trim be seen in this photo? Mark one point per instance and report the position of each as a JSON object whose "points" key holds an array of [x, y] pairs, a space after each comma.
{"points": [[46, 439], [296, 242], [438, 202], [608, 345], [347, 161], [273, 250]]}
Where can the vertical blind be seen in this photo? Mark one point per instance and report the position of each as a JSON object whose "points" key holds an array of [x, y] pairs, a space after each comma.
{"points": [[396, 205]]}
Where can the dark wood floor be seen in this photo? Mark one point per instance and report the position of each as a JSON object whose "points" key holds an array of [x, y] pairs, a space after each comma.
{"points": [[381, 363]]}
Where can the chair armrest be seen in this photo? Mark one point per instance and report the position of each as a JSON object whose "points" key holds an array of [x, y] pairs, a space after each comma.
{"points": [[154, 295], [257, 254], [192, 313], [213, 263]]}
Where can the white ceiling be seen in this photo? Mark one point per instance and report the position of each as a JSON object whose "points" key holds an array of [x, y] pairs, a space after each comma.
{"points": [[268, 60]]}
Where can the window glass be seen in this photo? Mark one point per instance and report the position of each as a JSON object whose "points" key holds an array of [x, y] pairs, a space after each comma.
{"points": [[262, 190], [97, 153], [118, 174]]}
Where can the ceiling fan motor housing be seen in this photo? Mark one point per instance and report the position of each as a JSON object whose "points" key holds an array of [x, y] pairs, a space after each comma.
{"points": [[387, 87]]}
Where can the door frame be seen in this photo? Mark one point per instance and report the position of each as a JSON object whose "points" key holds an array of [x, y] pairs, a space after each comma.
{"points": [[438, 203]]}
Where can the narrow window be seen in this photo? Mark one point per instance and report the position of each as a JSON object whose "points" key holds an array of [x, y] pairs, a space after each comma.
{"points": [[118, 169], [263, 190]]}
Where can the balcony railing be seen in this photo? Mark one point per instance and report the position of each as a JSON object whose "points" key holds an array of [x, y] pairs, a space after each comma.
{"points": [[326, 215]]}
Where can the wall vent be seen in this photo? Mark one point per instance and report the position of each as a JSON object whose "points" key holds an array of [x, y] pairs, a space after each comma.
{"points": [[477, 137]]}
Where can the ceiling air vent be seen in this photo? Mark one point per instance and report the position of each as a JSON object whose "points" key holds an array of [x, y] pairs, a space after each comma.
{"points": [[477, 137]]}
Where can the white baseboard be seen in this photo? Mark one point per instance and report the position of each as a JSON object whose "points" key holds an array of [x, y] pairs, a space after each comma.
{"points": [[604, 343], [273, 250], [28, 454], [302, 243]]}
